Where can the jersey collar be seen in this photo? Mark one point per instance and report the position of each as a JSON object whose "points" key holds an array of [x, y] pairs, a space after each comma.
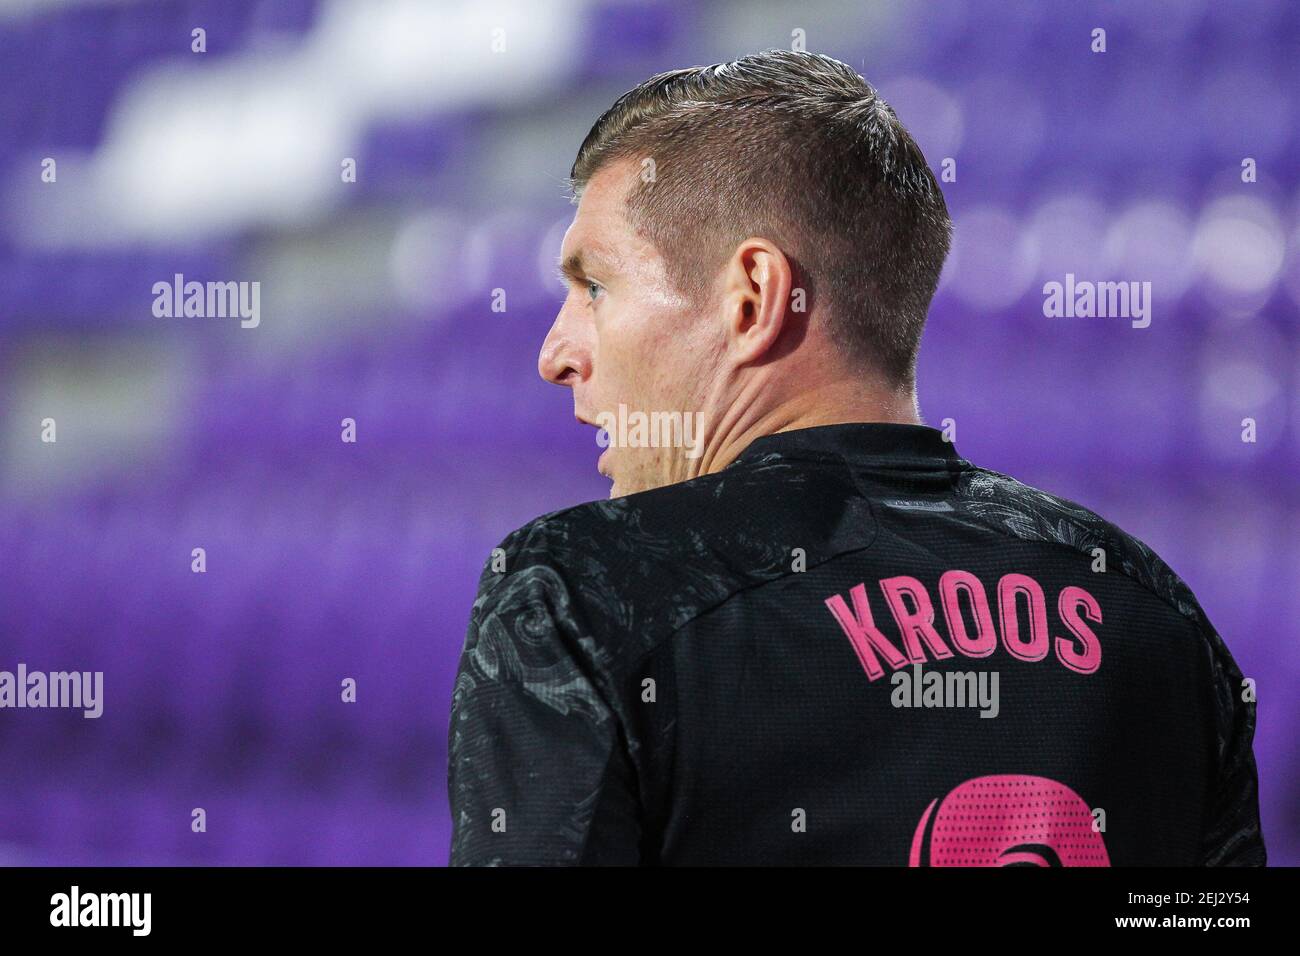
{"points": [[855, 440]]}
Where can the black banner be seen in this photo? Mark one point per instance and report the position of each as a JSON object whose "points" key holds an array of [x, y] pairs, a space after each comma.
{"points": [[219, 905]]}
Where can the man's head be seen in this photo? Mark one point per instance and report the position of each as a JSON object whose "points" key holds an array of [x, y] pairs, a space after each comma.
{"points": [[749, 236]]}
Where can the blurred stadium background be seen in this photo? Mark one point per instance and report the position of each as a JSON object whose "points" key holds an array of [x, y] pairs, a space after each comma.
{"points": [[328, 560]]}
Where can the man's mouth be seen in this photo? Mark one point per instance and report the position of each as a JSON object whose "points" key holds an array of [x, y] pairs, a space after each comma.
{"points": [[601, 464]]}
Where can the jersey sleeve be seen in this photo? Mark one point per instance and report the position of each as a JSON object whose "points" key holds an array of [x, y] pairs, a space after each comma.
{"points": [[538, 769], [1232, 835]]}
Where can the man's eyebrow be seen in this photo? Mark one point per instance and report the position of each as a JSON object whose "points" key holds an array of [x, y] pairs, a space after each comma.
{"points": [[572, 269]]}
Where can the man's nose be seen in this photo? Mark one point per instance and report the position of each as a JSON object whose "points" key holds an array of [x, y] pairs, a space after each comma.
{"points": [[562, 360]]}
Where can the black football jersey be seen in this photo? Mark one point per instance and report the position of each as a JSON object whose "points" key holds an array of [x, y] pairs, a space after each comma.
{"points": [[849, 646]]}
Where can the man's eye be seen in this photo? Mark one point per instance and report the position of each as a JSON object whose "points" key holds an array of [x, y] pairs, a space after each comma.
{"points": [[593, 290]]}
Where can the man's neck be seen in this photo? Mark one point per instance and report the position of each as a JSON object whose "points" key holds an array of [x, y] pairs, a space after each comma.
{"points": [[834, 403]]}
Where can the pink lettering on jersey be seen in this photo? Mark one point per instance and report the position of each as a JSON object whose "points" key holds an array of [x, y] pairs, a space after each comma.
{"points": [[862, 632], [1022, 627], [1072, 601], [952, 586], [1010, 588], [916, 624]]}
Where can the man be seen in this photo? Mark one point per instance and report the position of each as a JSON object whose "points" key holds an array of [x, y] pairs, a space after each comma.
{"points": [[804, 630]]}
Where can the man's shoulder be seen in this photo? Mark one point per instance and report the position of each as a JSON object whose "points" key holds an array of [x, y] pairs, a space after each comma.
{"points": [[662, 516], [649, 562], [1029, 513]]}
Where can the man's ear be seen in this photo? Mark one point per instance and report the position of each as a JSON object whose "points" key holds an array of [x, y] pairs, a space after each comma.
{"points": [[755, 298]]}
